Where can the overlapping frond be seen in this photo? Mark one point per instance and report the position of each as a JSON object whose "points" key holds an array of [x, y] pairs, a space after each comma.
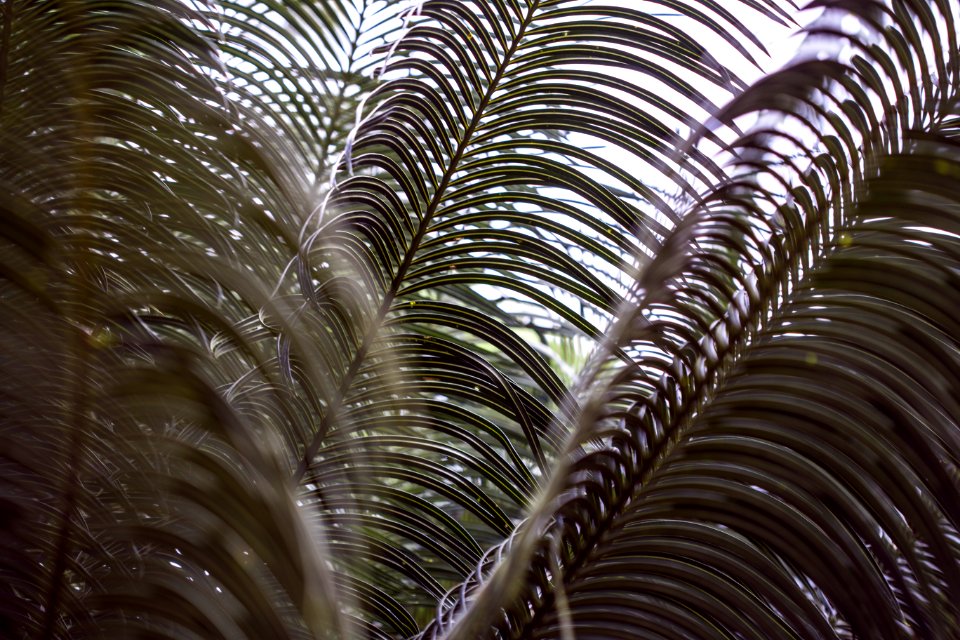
{"points": [[468, 194], [269, 374], [303, 66], [815, 495], [152, 197], [722, 277]]}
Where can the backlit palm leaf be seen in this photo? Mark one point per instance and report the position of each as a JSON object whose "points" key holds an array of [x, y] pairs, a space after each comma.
{"points": [[267, 375], [445, 184], [698, 313], [815, 495], [150, 206]]}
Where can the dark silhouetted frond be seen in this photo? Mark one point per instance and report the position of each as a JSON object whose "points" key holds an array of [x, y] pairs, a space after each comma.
{"points": [[478, 318]]}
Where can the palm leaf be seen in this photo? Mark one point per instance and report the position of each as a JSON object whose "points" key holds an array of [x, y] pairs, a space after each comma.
{"points": [[255, 390], [827, 456], [151, 202], [436, 170], [687, 326]]}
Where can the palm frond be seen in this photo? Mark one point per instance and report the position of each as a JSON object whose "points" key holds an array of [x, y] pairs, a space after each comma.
{"points": [[463, 178], [291, 294], [720, 278], [151, 201], [815, 495]]}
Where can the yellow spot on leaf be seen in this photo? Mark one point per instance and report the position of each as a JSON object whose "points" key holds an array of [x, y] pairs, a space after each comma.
{"points": [[943, 167]]}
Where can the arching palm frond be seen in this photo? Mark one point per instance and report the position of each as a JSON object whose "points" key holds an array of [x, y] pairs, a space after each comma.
{"points": [[747, 267], [815, 494], [281, 284], [151, 198], [470, 177]]}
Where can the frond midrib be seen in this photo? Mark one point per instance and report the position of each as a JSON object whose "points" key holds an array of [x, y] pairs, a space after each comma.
{"points": [[376, 324]]}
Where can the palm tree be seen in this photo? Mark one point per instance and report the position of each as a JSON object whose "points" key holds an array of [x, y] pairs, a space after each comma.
{"points": [[478, 318]]}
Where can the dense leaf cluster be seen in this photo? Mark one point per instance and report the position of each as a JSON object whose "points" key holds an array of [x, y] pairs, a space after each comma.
{"points": [[478, 318]]}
